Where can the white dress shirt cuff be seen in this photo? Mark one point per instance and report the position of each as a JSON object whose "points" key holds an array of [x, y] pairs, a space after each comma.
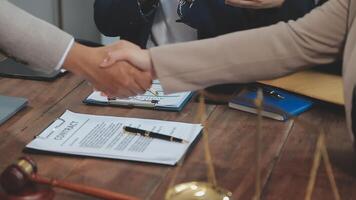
{"points": [[60, 64]]}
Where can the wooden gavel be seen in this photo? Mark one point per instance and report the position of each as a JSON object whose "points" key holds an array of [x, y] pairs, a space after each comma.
{"points": [[16, 177]]}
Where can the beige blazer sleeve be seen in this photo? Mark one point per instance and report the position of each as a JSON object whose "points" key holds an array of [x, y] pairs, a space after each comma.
{"points": [[30, 39], [257, 54]]}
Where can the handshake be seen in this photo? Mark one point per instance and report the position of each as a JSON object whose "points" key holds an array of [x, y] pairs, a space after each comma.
{"points": [[119, 70]]}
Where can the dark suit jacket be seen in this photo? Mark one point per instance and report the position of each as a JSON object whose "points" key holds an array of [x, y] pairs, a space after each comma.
{"points": [[213, 17], [123, 18], [210, 17]]}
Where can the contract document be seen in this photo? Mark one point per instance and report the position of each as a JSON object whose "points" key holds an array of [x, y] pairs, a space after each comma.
{"points": [[103, 136]]}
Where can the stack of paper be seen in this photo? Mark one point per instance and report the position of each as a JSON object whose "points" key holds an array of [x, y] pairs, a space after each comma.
{"points": [[103, 136], [172, 102]]}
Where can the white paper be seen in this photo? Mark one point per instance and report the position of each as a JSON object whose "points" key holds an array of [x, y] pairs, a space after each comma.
{"points": [[170, 100], [103, 136]]}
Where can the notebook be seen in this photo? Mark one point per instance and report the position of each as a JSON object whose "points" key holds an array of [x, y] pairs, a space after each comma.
{"points": [[167, 102], [9, 106], [277, 104]]}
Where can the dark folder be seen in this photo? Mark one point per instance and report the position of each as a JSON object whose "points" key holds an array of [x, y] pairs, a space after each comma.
{"points": [[12, 69]]}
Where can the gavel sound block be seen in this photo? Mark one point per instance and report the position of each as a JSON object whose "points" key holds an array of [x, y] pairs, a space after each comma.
{"points": [[20, 181]]}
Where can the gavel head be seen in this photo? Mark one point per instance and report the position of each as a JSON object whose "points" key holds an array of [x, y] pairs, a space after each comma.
{"points": [[17, 176]]}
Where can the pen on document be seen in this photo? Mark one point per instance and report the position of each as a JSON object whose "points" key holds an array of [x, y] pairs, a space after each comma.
{"points": [[153, 135], [153, 101], [153, 91], [145, 103]]}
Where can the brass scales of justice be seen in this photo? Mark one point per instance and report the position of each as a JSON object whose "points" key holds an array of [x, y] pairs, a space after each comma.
{"points": [[199, 190], [211, 191]]}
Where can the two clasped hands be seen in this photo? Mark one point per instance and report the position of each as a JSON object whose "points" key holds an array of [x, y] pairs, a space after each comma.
{"points": [[137, 70], [119, 70]]}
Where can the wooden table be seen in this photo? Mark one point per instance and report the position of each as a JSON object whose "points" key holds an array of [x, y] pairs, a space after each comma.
{"points": [[287, 151]]}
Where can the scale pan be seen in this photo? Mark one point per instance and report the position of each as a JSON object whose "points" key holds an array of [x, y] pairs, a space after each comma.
{"points": [[197, 191]]}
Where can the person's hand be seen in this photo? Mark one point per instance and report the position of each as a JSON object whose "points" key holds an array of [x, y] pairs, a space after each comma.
{"points": [[255, 4], [120, 80], [127, 51]]}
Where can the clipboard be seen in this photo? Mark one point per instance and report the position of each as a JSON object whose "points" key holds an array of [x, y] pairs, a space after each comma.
{"points": [[142, 104], [74, 133]]}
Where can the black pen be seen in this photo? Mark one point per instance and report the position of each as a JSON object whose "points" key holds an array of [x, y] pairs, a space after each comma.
{"points": [[153, 134], [272, 93], [269, 92]]}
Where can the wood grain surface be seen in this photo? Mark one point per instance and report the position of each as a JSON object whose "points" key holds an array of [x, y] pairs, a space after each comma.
{"points": [[287, 150]]}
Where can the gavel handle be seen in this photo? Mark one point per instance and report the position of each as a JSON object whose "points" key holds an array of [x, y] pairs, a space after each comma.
{"points": [[92, 191]]}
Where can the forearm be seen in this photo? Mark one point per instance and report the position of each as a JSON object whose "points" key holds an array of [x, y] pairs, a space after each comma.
{"points": [[254, 55], [30, 39], [81, 59]]}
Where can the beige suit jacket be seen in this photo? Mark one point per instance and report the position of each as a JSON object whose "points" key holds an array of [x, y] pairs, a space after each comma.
{"points": [[30, 39], [320, 37]]}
